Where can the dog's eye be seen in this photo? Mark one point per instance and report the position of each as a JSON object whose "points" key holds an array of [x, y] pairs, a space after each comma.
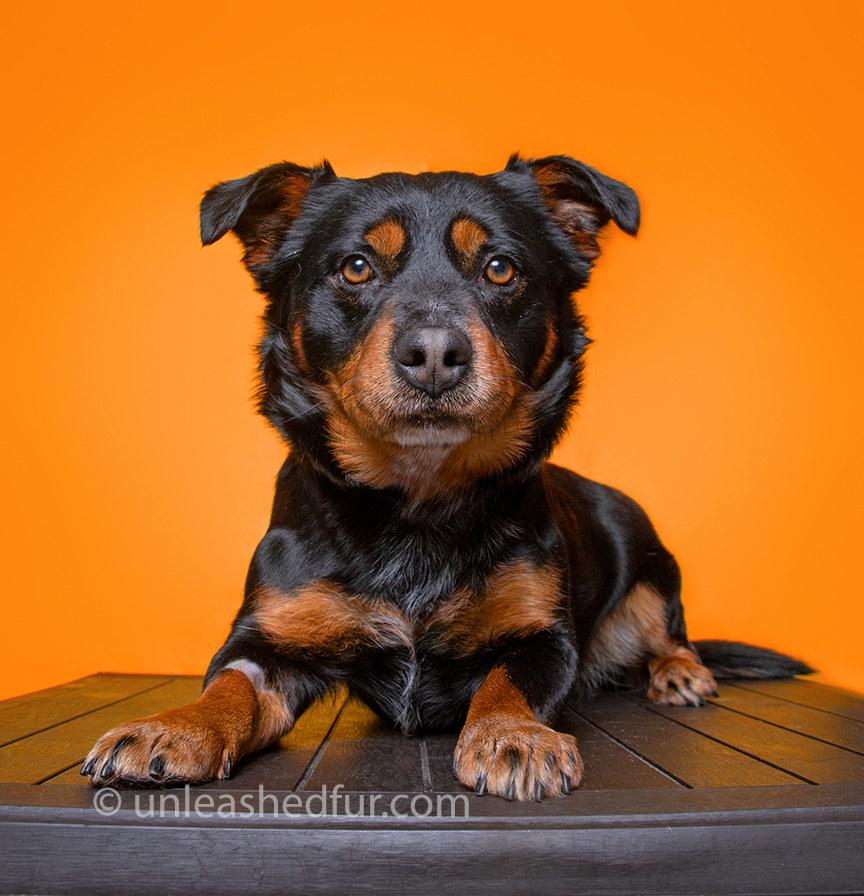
{"points": [[500, 271], [356, 269]]}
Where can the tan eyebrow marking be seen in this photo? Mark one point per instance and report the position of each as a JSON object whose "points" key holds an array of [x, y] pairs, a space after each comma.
{"points": [[387, 238], [467, 237]]}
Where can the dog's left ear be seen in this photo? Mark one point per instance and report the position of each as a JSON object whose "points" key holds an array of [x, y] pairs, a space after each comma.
{"points": [[260, 209], [581, 200]]}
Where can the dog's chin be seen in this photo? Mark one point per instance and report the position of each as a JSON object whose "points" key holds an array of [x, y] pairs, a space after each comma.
{"points": [[430, 436]]}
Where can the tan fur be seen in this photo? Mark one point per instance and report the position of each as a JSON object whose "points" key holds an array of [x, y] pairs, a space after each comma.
{"points": [[468, 238], [577, 219], [428, 472], [498, 696], [365, 397], [199, 741], [320, 616], [679, 679], [548, 355], [297, 345], [261, 244], [519, 598], [363, 387], [634, 631], [387, 239], [503, 749], [579, 222]]}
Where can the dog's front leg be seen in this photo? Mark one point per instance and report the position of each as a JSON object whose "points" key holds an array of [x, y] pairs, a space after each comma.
{"points": [[236, 714], [287, 648], [505, 748]]}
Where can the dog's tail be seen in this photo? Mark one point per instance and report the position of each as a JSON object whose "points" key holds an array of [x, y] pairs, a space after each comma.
{"points": [[731, 659]]}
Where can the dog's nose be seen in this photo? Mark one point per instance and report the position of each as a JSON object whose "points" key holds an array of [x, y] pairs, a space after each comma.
{"points": [[433, 359]]}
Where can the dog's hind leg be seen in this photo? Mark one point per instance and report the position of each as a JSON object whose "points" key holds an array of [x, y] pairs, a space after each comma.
{"points": [[647, 628]]}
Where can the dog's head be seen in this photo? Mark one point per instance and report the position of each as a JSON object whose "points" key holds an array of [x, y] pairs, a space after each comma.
{"points": [[420, 330]]}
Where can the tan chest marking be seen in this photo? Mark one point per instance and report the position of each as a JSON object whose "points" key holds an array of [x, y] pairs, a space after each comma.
{"points": [[322, 617], [519, 599]]}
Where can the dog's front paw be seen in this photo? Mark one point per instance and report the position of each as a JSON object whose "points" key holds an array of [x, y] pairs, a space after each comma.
{"points": [[679, 679], [516, 758], [184, 745]]}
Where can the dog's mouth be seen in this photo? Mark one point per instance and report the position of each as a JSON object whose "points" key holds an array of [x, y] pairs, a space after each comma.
{"points": [[452, 420], [430, 435]]}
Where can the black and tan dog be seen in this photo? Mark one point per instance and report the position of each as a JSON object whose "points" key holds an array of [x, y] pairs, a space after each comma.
{"points": [[422, 352]]}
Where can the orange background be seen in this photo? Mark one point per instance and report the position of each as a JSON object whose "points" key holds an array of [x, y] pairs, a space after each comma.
{"points": [[723, 389]]}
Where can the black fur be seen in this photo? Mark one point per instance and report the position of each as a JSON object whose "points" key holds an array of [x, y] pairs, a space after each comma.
{"points": [[732, 659]]}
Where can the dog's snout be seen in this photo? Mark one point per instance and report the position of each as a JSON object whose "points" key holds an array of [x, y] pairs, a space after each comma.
{"points": [[433, 359]]}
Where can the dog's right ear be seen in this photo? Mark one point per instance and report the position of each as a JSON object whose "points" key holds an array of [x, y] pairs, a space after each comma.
{"points": [[260, 209]]}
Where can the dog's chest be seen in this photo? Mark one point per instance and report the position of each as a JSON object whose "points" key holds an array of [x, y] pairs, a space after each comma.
{"points": [[421, 669], [418, 685], [414, 640]]}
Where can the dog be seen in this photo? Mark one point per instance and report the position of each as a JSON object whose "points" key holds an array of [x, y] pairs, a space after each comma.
{"points": [[422, 352]]}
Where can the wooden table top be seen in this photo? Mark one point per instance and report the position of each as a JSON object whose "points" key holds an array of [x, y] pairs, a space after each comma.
{"points": [[761, 791]]}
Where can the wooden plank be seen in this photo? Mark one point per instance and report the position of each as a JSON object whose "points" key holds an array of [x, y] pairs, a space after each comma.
{"points": [[692, 759], [804, 855], [34, 759], [439, 751], [705, 805], [21, 717], [811, 760], [22, 699], [834, 729], [609, 765], [364, 754], [810, 693]]}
